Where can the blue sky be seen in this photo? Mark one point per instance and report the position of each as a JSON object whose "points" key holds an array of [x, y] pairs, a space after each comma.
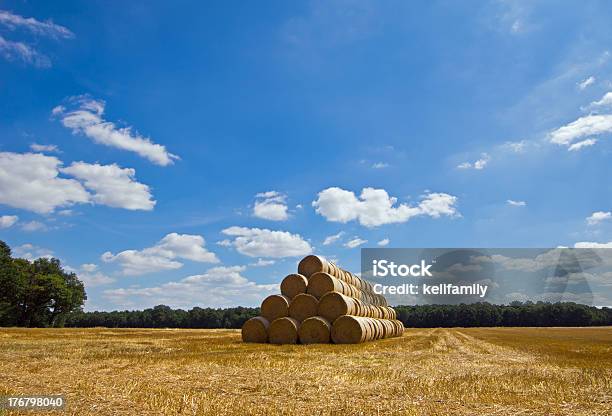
{"points": [[191, 155]]}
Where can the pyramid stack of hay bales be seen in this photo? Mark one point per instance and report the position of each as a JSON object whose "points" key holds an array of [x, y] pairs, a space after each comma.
{"points": [[323, 303]]}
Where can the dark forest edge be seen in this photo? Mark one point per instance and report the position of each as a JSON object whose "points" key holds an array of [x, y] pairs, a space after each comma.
{"points": [[421, 316]]}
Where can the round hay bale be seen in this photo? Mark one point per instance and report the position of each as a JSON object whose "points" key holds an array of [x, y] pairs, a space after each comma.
{"points": [[255, 330], [294, 284], [312, 264], [333, 305], [320, 283], [274, 307], [315, 330], [350, 330], [283, 331], [303, 306]]}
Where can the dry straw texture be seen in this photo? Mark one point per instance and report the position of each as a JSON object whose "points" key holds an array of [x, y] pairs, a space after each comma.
{"points": [[341, 293], [283, 331], [293, 285], [315, 330], [463, 371], [274, 307], [255, 330], [303, 306]]}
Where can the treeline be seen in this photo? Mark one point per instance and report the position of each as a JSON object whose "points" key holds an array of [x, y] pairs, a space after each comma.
{"points": [[37, 293], [421, 316], [515, 314]]}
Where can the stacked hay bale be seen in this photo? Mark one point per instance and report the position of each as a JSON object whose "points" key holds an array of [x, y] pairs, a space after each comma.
{"points": [[323, 303]]}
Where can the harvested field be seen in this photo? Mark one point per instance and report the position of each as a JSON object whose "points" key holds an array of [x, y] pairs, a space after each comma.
{"points": [[495, 371]]}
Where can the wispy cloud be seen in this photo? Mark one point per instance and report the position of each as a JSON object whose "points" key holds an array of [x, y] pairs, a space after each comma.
{"points": [[19, 51], [514, 203], [46, 28], [87, 118], [586, 83]]}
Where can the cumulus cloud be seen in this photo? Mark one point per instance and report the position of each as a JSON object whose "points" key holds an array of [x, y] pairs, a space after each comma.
{"points": [[256, 242], [51, 148], [579, 145], [90, 275], [591, 125], [46, 28], [514, 203], [217, 287], [605, 101], [271, 205], [586, 82], [7, 221], [112, 185], [375, 207], [477, 165], [384, 242], [87, 118], [597, 217], [332, 238], [31, 252], [31, 181], [163, 255]]}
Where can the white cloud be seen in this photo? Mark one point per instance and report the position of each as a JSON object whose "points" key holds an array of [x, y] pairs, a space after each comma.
{"points": [[30, 181], [112, 185], [586, 82], [375, 207], [589, 244], [579, 145], [87, 118], [33, 226], [163, 255], [91, 276], [384, 242], [332, 238], [478, 164], [17, 50], [12, 51], [224, 243], [217, 287], [262, 263], [597, 217], [7, 221], [380, 165], [591, 125], [256, 242], [514, 203], [31, 252], [355, 242], [271, 206], [44, 148], [47, 28], [605, 101]]}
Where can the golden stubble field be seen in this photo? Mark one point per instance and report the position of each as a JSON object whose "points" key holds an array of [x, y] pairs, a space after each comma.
{"points": [[500, 371]]}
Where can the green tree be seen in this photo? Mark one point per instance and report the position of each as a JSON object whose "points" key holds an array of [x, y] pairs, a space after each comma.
{"points": [[38, 293]]}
